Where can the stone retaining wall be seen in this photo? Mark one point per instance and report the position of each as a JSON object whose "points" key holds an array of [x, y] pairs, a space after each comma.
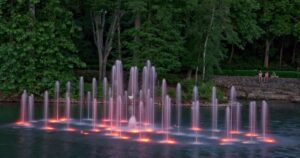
{"points": [[250, 88]]}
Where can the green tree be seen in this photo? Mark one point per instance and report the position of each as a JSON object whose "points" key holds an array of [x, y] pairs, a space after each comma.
{"points": [[208, 27], [243, 15], [275, 20], [36, 45], [157, 39]]}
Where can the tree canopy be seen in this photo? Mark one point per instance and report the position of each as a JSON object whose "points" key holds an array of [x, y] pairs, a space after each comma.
{"points": [[44, 41]]}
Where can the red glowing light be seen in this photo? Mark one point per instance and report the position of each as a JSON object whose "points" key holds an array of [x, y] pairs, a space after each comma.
{"points": [[235, 132], [48, 128], [168, 141], [106, 120], [149, 130], [54, 120], [227, 140], [102, 125], [124, 137], [22, 123], [95, 130], [196, 129], [114, 134], [251, 134], [124, 121], [63, 119], [110, 128], [134, 131], [269, 140], [144, 140]]}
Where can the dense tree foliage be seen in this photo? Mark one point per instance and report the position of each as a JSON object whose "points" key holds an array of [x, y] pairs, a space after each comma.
{"points": [[37, 45], [42, 41]]}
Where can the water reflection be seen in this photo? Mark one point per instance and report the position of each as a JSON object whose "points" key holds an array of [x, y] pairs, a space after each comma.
{"points": [[31, 143]]}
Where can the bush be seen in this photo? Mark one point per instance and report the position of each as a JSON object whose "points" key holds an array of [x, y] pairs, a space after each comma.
{"points": [[204, 88]]}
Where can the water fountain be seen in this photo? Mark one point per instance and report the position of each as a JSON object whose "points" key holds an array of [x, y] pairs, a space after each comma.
{"points": [[228, 135], [121, 108], [88, 104], [46, 106], [104, 91], [178, 104], [264, 123], [23, 120], [57, 101], [31, 108], [195, 120], [214, 120], [68, 113], [94, 88], [252, 123], [81, 97]]}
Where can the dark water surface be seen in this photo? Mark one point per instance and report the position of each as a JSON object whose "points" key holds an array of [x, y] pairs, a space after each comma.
{"points": [[17, 142]]}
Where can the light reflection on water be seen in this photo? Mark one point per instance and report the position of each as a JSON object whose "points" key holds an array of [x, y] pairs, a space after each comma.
{"points": [[31, 143]]}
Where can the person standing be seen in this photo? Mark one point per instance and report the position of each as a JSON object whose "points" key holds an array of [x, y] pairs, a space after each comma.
{"points": [[260, 76]]}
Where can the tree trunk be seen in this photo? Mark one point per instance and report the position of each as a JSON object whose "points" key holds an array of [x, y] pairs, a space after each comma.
{"points": [[120, 14], [280, 56], [189, 74], [205, 43], [267, 50], [104, 66], [231, 54], [100, 60], [294, 53]]}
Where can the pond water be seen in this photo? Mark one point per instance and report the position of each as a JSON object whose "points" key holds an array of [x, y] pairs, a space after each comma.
{"points": [[284, 125]]}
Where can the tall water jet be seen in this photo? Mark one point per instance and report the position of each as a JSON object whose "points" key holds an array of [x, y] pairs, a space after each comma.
{"points": [[148, 88], [117, 90], [88, 104], [195, 119], [46, 106], [195, 93], [228, 136], [167, 120], [94, 129], [111, 111], [31, 108], [57, 101], [68, 113], [94, 88], [252, 122], [163, 100], [234, 111], [104, 91], [264, 123], [81, 97], [237, 123], [133, 88], [214, 120], [141, 108], [125, 106], [178, 104], [118, 111], [23, 116]]}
